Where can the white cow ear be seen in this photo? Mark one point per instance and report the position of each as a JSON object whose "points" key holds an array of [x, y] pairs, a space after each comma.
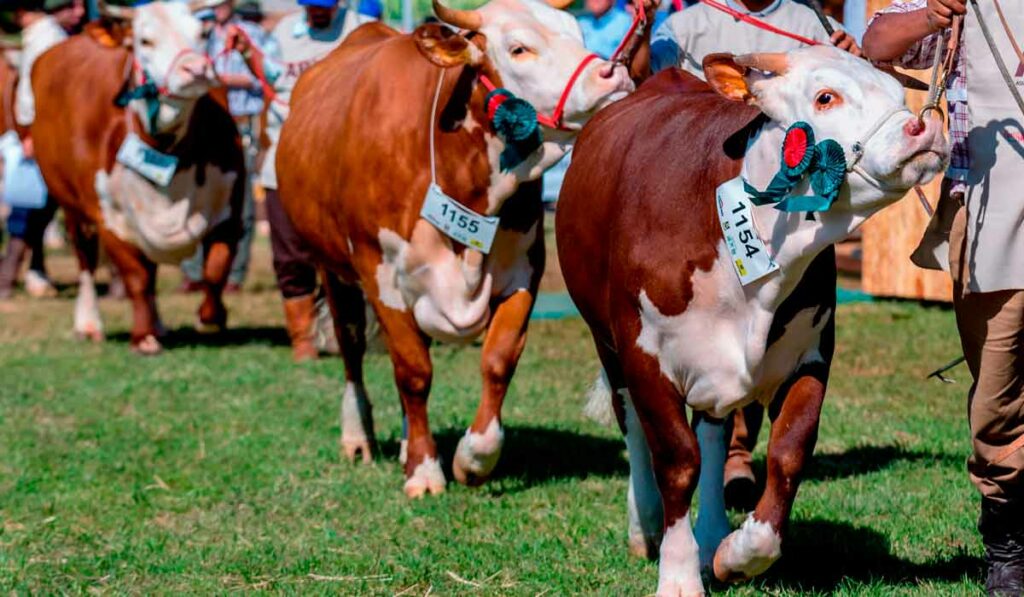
{"points": [[727, 77]]}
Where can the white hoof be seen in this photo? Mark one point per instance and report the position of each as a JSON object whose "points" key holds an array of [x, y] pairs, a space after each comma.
{"points": [[477, 454], [426, 478], [356, 423], [148, 346], [679, 568], [747, 552], [88, 323]]}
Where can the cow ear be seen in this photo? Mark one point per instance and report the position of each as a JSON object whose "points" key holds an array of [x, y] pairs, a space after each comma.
{"points": [[444, 47], [109, 34], [727, 77]]}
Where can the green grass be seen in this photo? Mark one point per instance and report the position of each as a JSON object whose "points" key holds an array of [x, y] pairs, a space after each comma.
{"points": [[215, 468]]}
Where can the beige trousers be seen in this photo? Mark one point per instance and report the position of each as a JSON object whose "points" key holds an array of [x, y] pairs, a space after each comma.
{"points": [[991, 328]]}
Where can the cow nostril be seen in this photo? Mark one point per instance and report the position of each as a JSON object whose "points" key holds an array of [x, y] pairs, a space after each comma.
{"points": [[914, 127], [607, 70]]}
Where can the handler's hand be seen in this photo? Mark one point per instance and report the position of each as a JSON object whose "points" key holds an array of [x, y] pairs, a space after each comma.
{"points": [[845, 41], [236, 39], [940, 12]]}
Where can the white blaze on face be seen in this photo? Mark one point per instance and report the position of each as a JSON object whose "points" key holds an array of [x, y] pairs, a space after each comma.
{"points": [[168, 43], [843, 98], [537, 48]]}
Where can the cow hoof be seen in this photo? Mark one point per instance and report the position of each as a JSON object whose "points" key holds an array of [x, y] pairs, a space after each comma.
{"points": [[477, 454], [643, 547], [747, 552], [353, 448], [91, 335], [209, 329], [148, 346], [426, 478]]}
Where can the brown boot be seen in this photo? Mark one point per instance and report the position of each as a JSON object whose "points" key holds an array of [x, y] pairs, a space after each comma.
{"points": [[11, 265], [300, 319]]}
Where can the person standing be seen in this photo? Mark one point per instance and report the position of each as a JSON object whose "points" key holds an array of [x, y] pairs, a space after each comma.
{"points": [[245, 103], [686, 37], [980, 213], [43, 24], [604, 26], [299, 40]]}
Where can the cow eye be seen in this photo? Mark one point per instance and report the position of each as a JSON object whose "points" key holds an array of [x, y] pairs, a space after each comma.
{"points": [[519, 51], [826, 100], [146, 42]]}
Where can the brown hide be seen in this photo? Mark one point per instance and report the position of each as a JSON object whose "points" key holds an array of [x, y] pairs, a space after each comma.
{"points": [[354, 154], [8, 85]]}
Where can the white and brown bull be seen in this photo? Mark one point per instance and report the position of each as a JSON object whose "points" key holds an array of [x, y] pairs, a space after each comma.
{"points": [[354, 165], [142, 73], [648, 260]]}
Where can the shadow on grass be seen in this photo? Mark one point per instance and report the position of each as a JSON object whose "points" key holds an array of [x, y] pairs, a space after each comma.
{"points": [[538, 455], [820, 555], [864, 460], [188, 337]]}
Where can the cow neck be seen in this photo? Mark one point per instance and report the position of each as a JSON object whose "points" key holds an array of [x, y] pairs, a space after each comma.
{"points": [[796, 238]]}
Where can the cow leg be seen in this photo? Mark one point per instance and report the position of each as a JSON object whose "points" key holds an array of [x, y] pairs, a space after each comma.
{"points": [[213, 316], [712, 523], [478, 451], [348, 309], [643, 502], [88, 322], [410, 358], [675, 456], [756, 545], [139, 274]]}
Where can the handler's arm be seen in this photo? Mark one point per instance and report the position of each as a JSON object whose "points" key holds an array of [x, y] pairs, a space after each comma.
{"points": [[891, 35]]}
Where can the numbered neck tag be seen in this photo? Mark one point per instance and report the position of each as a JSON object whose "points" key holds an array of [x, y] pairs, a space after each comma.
{"points": [[750, 256], [157, 167], [457, 222]]}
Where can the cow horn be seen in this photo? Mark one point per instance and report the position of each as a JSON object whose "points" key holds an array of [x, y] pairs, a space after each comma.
{"points": [[115, 12], [560, 4], [463, 19], [777, 62]]}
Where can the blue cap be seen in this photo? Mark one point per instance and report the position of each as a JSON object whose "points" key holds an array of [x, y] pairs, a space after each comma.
{"points": [[319, 3]]}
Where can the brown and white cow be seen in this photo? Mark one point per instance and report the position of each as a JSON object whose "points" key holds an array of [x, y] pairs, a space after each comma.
{"points": [[79, 129], [647, 262], [354, 165]]}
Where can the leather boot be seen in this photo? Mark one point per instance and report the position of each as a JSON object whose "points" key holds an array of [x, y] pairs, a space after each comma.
{"points": [[1002, 531], [11, 265], [300, 319]]}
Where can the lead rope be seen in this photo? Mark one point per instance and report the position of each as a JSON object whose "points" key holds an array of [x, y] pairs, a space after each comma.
{"points": [[995, 51], [433, 118]]}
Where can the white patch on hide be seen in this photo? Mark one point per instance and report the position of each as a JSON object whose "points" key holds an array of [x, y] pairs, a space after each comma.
{"points": [[748, 551], [166, 223], [679, 568], [392, 248]]}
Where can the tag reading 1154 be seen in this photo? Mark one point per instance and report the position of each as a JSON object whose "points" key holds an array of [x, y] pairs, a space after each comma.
{"points": [[750, 257], [458, 223]]}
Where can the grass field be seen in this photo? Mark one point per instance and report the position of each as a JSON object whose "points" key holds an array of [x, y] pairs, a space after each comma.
{"points": [[214, 468]]}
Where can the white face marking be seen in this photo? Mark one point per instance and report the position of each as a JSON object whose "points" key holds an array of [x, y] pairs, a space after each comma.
{"points": [[478, 453], [427, 477], [712, 523], [167, 42], [679, 568], [643, 501], [393, 249], [536, 49], [859, 96], [749, 551]]}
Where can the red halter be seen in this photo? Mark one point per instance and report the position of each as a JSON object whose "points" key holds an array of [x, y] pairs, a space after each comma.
{"points": [[555, 120]]}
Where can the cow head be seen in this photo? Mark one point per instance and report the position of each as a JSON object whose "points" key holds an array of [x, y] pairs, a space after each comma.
{"points": [[167, 42], [845, 99], [536, 48]]}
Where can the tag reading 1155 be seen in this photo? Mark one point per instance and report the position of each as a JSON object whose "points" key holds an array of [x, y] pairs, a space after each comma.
{"points": [[457, 222]]}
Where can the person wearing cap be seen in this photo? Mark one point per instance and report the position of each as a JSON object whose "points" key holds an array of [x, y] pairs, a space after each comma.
{"points": [[686, 37], [245, 103], [299, 40], [43, 24]]}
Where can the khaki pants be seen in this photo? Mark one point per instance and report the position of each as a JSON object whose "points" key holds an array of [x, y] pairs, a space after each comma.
{"points": [[991, 328]]}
